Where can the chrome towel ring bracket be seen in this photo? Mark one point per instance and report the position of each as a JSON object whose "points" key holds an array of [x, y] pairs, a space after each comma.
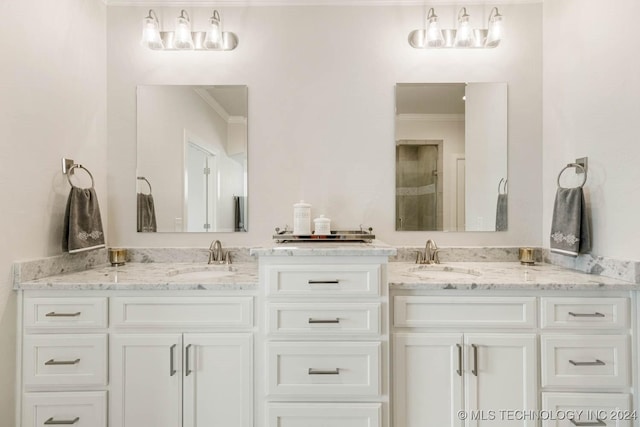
{"points": [[69, 173], [577, 166]]}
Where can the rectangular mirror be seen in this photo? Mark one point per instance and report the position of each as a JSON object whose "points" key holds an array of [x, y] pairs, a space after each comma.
{"points": [[192, 158], [451, 156]]}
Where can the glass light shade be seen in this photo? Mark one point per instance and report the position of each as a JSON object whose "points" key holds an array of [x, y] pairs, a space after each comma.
{"points": [[151, 33], [464, 34], [496, 31], [434, 33], [213, 39], [183, 38]]}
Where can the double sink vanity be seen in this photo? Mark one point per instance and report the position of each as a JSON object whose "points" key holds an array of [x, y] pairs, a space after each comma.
{"points": [[325, 335]]}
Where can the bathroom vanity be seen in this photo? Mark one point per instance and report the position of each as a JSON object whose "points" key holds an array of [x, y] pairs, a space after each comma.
{"points": [[326, 335]]}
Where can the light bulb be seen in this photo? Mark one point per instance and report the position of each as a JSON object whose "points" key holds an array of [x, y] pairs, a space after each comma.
{"points": [[434, 34], [464, 34], [183, 39], [496, 29], [151, 32], [213, 39]]}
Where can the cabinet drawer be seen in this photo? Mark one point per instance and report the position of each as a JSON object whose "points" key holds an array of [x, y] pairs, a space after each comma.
{"points": [[600, 361], [324, 414], [328, 279], [64, 313], [506, 312], [323, 368], [55, 362], [79, 409], [589, 409], [183, 312], [585, 313], [323, 319]]}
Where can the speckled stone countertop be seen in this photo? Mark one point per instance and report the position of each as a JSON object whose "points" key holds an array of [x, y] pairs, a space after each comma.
{"points": [[374, 248], [153, 276], [497, 276]]}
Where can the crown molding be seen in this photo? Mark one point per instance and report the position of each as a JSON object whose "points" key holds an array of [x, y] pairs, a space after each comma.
{"points": [[254, 3], [211, 102]]}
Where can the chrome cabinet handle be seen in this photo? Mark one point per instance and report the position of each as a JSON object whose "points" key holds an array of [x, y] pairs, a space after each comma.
{"points": [[54, 314], [596, 314], [172, 371], [324, 372], [323, 282], [187, 369], [474, 371], [336, 320], [459, 370], [597, 362], [52, 422], [598, 422], [61, 362]]}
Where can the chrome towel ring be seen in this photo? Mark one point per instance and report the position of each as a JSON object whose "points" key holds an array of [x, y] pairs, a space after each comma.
{"points": [[70, 170], [577, 166], [501, 189], [142, 178]]}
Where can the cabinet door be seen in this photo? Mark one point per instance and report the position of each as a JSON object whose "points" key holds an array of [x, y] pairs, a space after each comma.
{"points": [[501, 376], [427, 372], [146, 380], [218, 380]]}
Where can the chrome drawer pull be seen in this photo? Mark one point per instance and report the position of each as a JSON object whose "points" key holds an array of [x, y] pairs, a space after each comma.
{"points": [[596, 314], [172, 370], [598, 422], [54, 314], [474, 371], [321, 372], [62, 362], [459, 370], [336, 320], [187, 369], [323, 282], [52, 422], [597, 362]]}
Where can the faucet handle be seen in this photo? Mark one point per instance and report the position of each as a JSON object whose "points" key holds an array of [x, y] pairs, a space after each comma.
{"points": [[419, 257], [227, 257]]}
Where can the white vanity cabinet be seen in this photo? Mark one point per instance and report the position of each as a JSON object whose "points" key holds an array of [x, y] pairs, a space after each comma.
{"points": [[452, 366], [163, 359], [325, 341]]}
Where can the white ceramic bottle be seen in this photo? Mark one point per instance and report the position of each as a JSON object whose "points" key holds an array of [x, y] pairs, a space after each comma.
{"points": [[322, 226], [302, 219]]}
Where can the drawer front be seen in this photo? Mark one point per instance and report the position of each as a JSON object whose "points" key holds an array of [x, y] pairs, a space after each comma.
{"points": [[600, 361], [506, 312], [182, 312], [79, 409], [64, 313], [588, 409], [323, 319], [330, 279], [585, 313], [58, 362], [324, 414], [323, 369]]}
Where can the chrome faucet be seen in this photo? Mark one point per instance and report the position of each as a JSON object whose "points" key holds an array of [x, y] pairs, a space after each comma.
{"points": [[430, 254], [215, 252]]}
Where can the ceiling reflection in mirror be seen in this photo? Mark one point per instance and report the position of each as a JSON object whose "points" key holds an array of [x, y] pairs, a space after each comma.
{"points": [[191, 158], [451, 157]]}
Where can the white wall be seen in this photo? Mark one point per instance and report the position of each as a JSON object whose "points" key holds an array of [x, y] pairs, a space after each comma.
{"points": [[53, 92], [591, 108], [321, 117]]}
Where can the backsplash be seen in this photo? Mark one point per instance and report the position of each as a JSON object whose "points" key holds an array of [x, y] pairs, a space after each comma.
{"points": [[146, 255], [65, 263], [598, 265], [465, 254]]}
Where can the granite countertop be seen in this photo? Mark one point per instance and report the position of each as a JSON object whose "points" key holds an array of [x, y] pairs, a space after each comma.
{"points": [[153, 276], [498, 276], [321, 248]]}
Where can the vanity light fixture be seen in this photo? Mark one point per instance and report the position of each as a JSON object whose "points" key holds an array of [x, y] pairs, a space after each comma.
{"points": [[184, 38], [465, 36]]}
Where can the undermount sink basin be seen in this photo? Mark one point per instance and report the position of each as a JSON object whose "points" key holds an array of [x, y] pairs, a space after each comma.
{"points": [[438, 270], [202, 272]]}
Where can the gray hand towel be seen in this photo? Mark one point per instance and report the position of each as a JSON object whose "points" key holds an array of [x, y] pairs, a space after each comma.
{"points": [[570, 234], [82, 221], [502, 218], [146, 214]]}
